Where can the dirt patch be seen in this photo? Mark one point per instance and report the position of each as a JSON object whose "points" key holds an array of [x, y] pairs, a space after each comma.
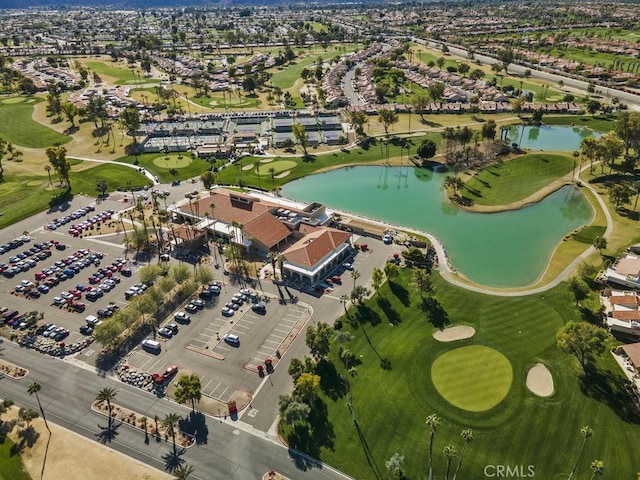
{"points": [[451, 334], [540, 381], [73, 457]]}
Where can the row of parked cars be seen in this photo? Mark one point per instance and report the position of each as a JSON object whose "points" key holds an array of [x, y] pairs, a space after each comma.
{"points": [[96, 220], [27, 259], [59, 222]]}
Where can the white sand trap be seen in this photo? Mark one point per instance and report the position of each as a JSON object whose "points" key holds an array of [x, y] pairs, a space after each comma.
{"points": [[540, 381], [283, 174], [266, 160], [451, 334], [247, 167]]}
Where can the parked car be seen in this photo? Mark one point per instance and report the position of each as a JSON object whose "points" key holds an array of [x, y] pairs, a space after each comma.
{"points": [[232, 340], [347, 266], [191, 308], [259, 308], [165, 332], [182, 317], [227, 312], [86, 330], [169, 372], [173, 327]]}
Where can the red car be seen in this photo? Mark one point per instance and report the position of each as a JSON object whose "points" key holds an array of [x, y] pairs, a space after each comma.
{"points": [[170, 371], [336, 279], [78, 306], [76, 293], [40, 276]]}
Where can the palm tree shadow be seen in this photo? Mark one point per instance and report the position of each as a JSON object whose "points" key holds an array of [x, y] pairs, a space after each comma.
{"points": [[108, 433], [44, 460], [172, 459], [367, 452]]}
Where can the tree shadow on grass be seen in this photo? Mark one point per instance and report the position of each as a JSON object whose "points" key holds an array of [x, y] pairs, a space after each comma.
{"points": [[400, 292], [311, 438], [610, 388], [108, 433], [332, 383], [590, 316], [195, 424], [434, 312], [392, 315], [173, 460], [367, 451], [364, 314], [385, 363]]}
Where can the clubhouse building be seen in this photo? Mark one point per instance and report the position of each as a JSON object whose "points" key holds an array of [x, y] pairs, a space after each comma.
{"points": [[311, 249]]}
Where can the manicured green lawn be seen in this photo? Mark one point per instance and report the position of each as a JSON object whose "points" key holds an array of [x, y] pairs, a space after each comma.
{"points": [[474, 378], [11, 467], [588, 234], [17, 127], [23, 196], [374, 152], [598, 123], [123, 75], [393, 391], [508, 182], [153, 162], [287, 77]]}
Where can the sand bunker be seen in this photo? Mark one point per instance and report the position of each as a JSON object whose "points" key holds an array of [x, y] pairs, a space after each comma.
{"points": [[451, 334], [540, 381], [283, 174]]}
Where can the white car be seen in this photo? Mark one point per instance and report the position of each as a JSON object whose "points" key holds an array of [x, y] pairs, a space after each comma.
{"points": [[66, 295], [347, 266], [227, 312], [58, 301], [182, 317]]}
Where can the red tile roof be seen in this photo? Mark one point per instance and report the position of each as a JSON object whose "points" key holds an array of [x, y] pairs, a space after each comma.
{"points": [[267, 230], [316, 245], [624, 300]]}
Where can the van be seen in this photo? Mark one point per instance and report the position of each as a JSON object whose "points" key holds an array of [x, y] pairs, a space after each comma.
{"points": [[151, 346], [233, 340]]}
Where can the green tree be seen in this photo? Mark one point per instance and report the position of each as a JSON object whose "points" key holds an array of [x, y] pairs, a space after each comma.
{"points": [[307, 385], [249, 84], [102, 187], [422, 281], [420, 104], [208, 179], [107, 395], [619, 195], [432, 423], [130, 119], [377, 278], [436, 91], [586, 433], [27, 415], [301, 135], [578, 288], [583, 340], [394, 465], [358, 119], [34, 388], [293, 410], [359, 293], [170, 424], [627, 126], [183, 472], [467, 438], [318, 339], [58, 158], [426, 150], [450, 452], [70, 111], [597, 469], [387, 118], [391, 271], [489, 129], [600, 244], [188, 390]]}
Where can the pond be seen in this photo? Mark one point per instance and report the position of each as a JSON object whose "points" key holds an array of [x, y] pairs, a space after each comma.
{"points": [[507, 249], [549, 137]]}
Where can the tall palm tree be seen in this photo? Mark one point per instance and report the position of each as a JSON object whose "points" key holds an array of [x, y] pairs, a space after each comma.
{"points": [[35, 388], [170, 423], [107, 394], [597, 467], [449, 452], [600, 243], [432, 422], [355, 274], [48, 169], [183, 472], [377, 278], [586, 432], [467, 438], [272, 172], [345, 299]]}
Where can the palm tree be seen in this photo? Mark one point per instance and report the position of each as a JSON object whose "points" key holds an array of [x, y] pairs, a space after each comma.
{"points": [[377, 278], [143, 421], [467, 438], [345, 299], [586, 432], [183, 472], [600, 243], [432, 422], [48, 169], [256, 164], [449, 452], [106, 395], [170, 423], [597, 467], [35, 388], [272, 172], [355, 274]]}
